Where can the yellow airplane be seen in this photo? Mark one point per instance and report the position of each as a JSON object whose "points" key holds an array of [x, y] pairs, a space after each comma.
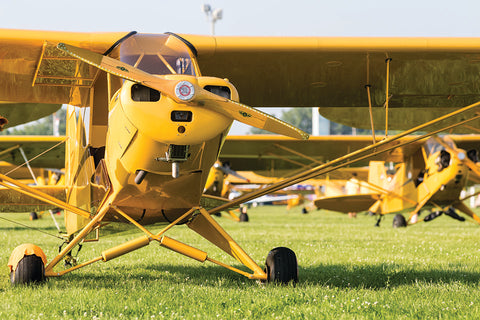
{"points": [[280, 155], [431, 176], [139, 148], [144, 126]]}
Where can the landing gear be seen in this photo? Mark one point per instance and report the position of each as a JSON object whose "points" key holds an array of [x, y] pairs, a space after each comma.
{"points": [[33, 216], [452, 214], [399, 221], [449, 212], [281, 266], [27, 265], [433, 215]]}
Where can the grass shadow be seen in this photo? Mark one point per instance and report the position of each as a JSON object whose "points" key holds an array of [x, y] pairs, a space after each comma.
{"points": [[207, 276], [381, 276], [341, 276]]}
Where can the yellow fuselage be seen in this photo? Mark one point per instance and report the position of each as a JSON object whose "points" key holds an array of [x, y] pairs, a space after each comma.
{"points": [[140, 138], [441, 186]]}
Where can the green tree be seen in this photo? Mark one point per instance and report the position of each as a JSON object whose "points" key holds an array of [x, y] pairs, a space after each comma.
{"points": [[302, 119], [299, 117]]}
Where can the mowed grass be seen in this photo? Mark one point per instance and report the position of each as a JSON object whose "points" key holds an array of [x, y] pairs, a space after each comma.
{"points": [[348, 269]]}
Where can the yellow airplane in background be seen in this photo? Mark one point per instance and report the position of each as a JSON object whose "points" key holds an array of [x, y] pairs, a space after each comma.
{"points": [[431, 176], [149, 113], [417, 180]]}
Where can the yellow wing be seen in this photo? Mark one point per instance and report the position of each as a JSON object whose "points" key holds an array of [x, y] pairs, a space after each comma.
{"points": [[20, 113], [431, 75], [41, 151], [33, 71], [279, 156]]}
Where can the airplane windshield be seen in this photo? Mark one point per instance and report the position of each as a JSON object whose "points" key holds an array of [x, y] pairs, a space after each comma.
{"points": [[432, 146], [157, 54]]}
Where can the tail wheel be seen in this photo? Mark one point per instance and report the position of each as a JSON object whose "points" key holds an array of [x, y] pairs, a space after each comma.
{"points": [[399, 221], [281, 266], [33, 216], [30, 269]]}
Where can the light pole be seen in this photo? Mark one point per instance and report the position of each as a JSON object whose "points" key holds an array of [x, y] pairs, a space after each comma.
{"points": [[212, 16]]}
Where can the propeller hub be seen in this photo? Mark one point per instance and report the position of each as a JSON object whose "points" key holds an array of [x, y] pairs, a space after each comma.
{"points": [[184, 90]]}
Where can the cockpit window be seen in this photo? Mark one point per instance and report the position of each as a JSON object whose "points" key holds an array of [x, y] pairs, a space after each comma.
{"points": [[157, 54], [432, 146]]}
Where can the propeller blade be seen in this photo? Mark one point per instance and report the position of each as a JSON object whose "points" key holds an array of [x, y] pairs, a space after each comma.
{"points": [[121, 69], [227, 170], [184, 91], [256, 118]]}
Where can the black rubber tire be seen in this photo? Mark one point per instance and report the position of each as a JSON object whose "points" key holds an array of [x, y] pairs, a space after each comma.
{"points": [[281, 266], [33, 216], [29, 270], [304, 210], [399, 221], [243, 217]]}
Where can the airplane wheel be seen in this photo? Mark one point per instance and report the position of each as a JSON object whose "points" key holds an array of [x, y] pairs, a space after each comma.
{"points": [[243, 217], [30, 269], [304, 211], [33, 216], [281, 266], [399, 221]]}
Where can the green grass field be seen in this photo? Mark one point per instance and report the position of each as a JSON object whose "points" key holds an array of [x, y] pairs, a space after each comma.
{"points": [[348, 269]]}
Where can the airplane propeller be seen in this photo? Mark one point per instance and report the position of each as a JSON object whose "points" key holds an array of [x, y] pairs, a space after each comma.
{"points": [[186, 91], [227, 170]]}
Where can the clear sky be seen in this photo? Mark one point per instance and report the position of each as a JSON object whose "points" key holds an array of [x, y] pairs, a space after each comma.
{"points": [[246, 17]]}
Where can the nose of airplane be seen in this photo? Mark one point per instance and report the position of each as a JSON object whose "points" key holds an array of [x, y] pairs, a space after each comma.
{"points": [[162, 119]]}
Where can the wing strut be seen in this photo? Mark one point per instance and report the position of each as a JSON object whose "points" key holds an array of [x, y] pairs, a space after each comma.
{"points": [[368, 86], [27, 162], [387, 61]]}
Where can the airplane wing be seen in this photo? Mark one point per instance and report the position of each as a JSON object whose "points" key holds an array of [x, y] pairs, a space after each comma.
{"points": [[426, 74], [467, 142], [36, 79], [347, 203], [250, 177], [271, 155], [427, 77], [20, 113], [41, 151]]}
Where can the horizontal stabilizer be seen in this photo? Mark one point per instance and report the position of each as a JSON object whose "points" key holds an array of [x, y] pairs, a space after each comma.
{"points": [[347, 203]]}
